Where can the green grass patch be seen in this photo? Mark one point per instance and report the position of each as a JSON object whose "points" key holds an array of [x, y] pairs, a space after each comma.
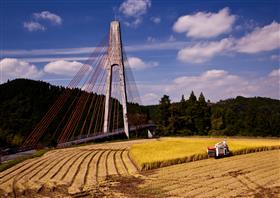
{"points": [[9, 164], [170, 151]]}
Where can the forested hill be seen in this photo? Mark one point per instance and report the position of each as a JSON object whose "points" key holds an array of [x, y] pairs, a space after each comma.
{"points": [[247, 116], [24, 102], [256, 116]]}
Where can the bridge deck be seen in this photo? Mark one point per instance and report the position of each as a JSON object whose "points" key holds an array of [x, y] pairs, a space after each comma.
{"points": [[101, 135]]}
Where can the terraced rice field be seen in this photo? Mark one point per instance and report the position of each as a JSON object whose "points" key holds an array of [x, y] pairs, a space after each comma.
{"points": [[75, 169], [106, 170]]}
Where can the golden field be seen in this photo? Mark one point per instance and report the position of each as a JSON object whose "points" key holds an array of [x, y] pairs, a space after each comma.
{"points": [[174, 150], [254, 175], [68, 171], [109, 170]]}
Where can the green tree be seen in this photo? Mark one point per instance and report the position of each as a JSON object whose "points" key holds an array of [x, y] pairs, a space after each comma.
{"points": [[164, 110], [202, 118], [183, 99], [192, 98], [191, 112], [174, 122]]}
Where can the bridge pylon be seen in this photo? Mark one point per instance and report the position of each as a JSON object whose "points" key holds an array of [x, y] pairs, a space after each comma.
{"points": [[115, 59]]}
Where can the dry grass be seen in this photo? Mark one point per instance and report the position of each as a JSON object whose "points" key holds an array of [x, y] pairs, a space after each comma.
{"points": [[170, 151]]}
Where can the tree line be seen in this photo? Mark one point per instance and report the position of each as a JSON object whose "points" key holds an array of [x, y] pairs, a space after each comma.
{"points": [[24, 102], [242, 116]]}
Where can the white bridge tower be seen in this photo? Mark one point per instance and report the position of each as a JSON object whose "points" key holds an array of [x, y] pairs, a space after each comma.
{"points": [[115, 59]]}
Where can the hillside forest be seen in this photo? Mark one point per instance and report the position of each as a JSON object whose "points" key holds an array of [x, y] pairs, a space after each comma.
{"points": [[24, 102]]}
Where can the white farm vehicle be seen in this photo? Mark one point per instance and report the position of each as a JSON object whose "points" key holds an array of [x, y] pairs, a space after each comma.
{"points": [[219, 150]]}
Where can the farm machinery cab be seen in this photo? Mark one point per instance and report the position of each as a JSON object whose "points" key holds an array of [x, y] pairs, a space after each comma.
{"points": [[219, 150]]}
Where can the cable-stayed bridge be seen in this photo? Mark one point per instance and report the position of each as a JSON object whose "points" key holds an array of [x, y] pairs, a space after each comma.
{"points": [[106, 105]]}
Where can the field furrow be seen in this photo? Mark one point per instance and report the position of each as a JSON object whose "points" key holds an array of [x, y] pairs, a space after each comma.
{"points": [[132, 170], [111, 165], [54, 170], [70, 174], [77, 182], [65, 169], [115, 162], [90, 166], [100, 171], [106, 162], [21, 168], [119, 163], [102, 168], [90, 178], [11, 181], [46, 167], [123, 163]]}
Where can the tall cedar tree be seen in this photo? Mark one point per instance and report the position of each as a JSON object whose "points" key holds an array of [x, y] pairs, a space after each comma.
{"points": [[164, 110]]}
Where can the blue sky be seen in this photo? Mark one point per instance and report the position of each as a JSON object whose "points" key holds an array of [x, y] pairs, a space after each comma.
{"points": [[222, 48]]}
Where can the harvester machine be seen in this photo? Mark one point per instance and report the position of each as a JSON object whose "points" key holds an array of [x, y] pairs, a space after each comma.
{"points": [[219, 150]]}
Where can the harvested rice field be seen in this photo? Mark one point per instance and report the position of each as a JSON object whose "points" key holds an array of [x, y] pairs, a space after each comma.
{"points": [[108, 170], [74, 170], [255, 175]]}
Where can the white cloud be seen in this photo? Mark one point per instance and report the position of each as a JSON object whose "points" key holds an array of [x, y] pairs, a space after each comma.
{"points": [[208, 49], [214, 73], [87, 50], [275, 73], [171, 38], [156, 20], [202, 52], [215, 85], [150, 98], [14, 68], [275, 57], [261, 39], [135, 8], [46, 15], [138, 64], [33, 26], [151, 39], [205, 25], [62, 67], [133, 23], [50, 59], [220, 84]]}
